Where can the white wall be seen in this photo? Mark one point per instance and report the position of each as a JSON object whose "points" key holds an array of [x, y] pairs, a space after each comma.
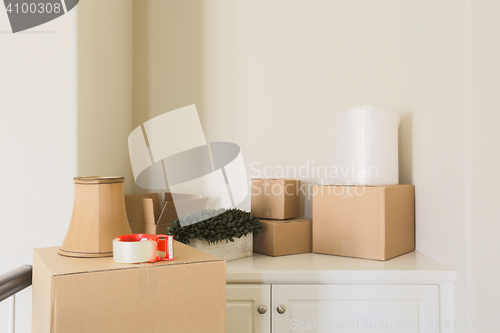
{"points": [[38, 140], [66, 111], [482, 147], [274, 71], [266, 75], [432, 93], [449, 81]]}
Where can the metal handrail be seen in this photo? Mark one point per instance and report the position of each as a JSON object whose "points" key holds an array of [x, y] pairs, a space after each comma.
{"points": [[14, 281]]}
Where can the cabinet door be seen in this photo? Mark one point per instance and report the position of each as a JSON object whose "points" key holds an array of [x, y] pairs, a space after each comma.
{"points": [[242, 308], [355, 308]]}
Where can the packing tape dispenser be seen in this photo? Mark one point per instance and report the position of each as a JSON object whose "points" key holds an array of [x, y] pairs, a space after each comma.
{"points": [[137, 248]]}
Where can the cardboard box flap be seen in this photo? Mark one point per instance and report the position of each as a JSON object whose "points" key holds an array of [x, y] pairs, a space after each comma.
{"points": [[195, 203], [143, 208], [168, 214], [60, 265], [180, 196]]}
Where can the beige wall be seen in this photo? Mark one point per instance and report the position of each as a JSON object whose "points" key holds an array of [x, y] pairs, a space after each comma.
{"points": [[266, 75], [449, 81], [105, 88], [272, 73], [433, 92], [38, 141], [167, 57], [66, 110], [167, 65], [483, 158]]}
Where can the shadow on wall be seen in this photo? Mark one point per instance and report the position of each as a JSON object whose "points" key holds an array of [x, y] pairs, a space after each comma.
{"points": [[406, 149], [168, 71], [104, 88], [167, 58], [306, 199], [167, 64]]}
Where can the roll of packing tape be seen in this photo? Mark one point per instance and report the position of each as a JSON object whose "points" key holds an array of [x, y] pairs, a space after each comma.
{"points": [[137, 248]]}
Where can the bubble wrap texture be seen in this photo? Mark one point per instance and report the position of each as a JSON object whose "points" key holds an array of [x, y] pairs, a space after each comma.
{"points": [[366, 146]]}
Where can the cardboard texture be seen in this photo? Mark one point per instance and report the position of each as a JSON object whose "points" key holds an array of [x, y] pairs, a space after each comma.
{"points": [[72, 295], [280, 238], [98, 217], [147, 216], [241, 247], [363, 221], [276, 198]]}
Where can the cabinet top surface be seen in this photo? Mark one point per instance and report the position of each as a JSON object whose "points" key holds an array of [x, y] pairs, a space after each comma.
{"points": [[311, 267]]}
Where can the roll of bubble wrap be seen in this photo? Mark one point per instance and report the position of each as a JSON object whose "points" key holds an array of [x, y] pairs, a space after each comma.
{"points": [[366, 146]]}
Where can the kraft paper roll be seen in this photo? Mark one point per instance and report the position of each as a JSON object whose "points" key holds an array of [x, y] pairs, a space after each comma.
{"points": [[134, 252]]}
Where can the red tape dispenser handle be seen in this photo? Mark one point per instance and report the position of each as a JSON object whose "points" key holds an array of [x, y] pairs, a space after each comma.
{"points": [[136, 248], [165, 244]]}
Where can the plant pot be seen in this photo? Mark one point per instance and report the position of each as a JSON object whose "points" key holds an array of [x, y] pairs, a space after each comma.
{"points": [[240, 248]]}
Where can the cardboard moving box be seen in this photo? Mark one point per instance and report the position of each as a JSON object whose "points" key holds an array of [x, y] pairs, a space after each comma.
{"points": [[147, 216], [98, 295], [372, 222], [276, 198], [279, 238]]}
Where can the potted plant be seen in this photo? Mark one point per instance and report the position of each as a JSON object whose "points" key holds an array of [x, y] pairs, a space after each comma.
{"points": [[224, 233]]}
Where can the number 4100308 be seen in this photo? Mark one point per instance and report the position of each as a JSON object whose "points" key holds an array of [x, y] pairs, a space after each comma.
{"points": [[32, 8]]}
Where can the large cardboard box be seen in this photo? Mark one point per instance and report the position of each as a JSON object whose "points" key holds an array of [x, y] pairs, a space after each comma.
{"points": [[276, 198], [364, 221], [147, 216], [279, 238], [98, 295]]}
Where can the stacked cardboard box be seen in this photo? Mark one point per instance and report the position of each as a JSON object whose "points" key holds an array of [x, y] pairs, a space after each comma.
{"points": [[371, 222], [277, 203]]}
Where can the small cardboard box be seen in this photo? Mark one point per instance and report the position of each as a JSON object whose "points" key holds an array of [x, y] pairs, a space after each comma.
{"points": [[371, 222], [98, 295], [147, 216], [276, 198], [279, 238]]}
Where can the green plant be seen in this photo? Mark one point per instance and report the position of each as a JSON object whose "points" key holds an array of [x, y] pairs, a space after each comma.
{"points": [[215, 226]]}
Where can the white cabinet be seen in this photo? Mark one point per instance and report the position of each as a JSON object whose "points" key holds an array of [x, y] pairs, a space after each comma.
{"points": [[248, 309], [318, 293], [355, 308]]}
